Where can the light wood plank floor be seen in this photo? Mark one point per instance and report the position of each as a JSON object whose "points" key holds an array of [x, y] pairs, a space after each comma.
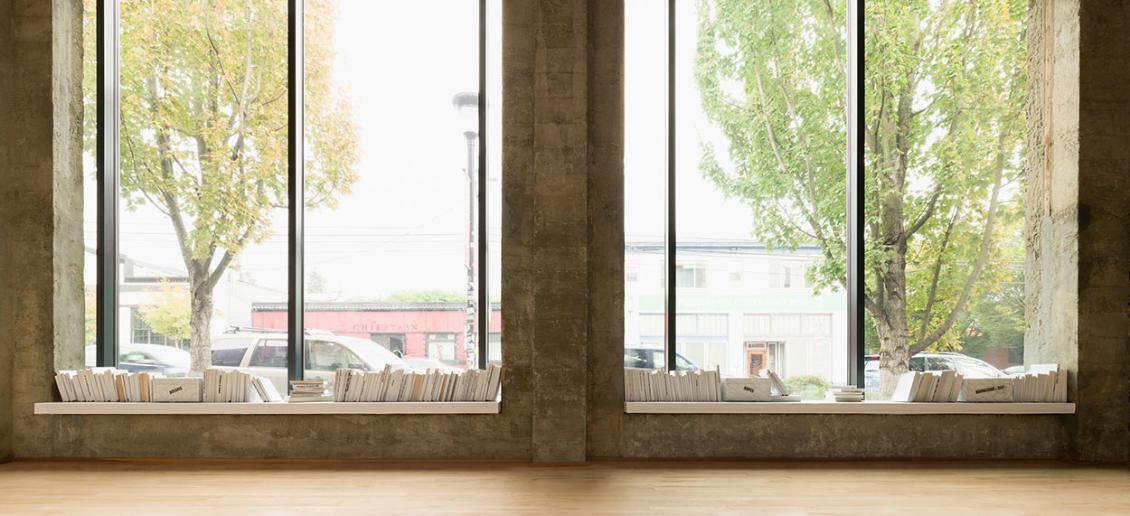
{"points": [[211, 488]]}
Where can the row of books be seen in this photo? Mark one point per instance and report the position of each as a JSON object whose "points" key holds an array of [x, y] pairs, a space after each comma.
{"points": [[352, 385], [234, 386], [1043, 383], [105, 384], [938, 387], [654, 385]]}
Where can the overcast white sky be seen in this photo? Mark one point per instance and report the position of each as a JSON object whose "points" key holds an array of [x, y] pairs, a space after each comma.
{"points": [[403, 226]]}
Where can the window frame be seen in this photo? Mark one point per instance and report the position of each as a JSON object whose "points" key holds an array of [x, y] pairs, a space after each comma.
{"points": [[853, 206], [107, 126]]}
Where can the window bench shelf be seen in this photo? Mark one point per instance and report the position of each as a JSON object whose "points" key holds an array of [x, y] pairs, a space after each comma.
{"points": [[431, 407], [831, 407]]}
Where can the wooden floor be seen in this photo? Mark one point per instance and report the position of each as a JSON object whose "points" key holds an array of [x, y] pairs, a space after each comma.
{"points": [[123, 488]]}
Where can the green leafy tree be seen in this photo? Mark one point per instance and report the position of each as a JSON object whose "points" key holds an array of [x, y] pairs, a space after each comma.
{"points": [[204, 128], [944, 105], [169, 312], [426, 296]]}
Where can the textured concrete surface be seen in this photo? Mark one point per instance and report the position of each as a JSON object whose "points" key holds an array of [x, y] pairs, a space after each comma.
{"points": [[1100, 430], [1077, 271], [562, 258], [7, 127], [549, 165], [606, 231]]}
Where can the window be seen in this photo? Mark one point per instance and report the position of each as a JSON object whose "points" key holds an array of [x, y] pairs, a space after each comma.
{"points": [[393, 342], [945, 239], [203, 209], [229, 352], [142, 332], [690, 276], [269, 353], [329, 357], [441, 347], [736, 160]]}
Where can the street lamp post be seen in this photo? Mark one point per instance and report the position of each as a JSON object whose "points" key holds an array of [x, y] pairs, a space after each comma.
{"points": [[467, 104]]}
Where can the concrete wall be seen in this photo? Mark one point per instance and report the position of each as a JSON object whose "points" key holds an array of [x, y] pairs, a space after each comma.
{"points": [[1100, 430], [562, 260], [7, 127], [1077, 273]]}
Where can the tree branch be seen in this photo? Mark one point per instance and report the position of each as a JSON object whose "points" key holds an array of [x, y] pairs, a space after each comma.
{"points": [[986, 244]]}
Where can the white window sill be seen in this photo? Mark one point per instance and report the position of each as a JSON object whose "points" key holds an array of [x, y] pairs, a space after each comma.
{"points": [[831, 407], [431, 407]]}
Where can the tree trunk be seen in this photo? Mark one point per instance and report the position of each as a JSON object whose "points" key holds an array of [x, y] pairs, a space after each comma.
{"points": [[200, 327], [894, 353]]}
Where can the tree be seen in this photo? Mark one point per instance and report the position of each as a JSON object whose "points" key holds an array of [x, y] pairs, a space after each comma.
{"points": [[204, 128], [426, 296], [169, 312], [944, 99]]}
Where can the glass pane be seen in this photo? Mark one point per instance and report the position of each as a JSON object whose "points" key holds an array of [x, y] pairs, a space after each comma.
{"points": [[645, 179], [494, 176], [760, 180], [203, 195], [944, 186], [392, 144], [89, 175]]}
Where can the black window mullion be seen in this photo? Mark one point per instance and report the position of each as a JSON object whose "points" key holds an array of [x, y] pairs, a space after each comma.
{"points": [[854, 128], [485, 310], [671, 308], [295, 183], [106, 274]]}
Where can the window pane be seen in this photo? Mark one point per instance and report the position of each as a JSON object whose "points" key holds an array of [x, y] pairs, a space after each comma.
{"points": [[944, 184], [203, 152], [645, 177], [89, 175], [392, 188], [760, 182]]}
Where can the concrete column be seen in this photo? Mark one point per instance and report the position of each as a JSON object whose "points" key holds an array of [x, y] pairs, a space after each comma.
{"points": [[606, 228], [1078, 210], [545, 144], [41, 303]]}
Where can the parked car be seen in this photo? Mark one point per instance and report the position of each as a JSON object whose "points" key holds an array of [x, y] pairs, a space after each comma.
{"points": [[965, 365], [651, 358], [148, 358], [263, 353]]}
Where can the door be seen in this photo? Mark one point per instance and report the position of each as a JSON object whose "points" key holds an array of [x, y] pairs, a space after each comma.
{"points": [[755, 362]]}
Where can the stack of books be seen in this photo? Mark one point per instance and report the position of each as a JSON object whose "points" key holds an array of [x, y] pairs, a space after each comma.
{"points": [[849, 394], [1043, 383], [105, 384], [937, 386], [654, 385], [352, 385], [233, 386], [304, 391]]}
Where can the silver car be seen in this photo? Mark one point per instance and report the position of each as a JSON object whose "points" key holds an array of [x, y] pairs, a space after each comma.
{"points": [[263, 353]]}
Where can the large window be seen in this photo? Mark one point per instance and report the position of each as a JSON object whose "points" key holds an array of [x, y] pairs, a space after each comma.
{"points": [[745, 215], [945, 90], [839, 253], [252, 159]]}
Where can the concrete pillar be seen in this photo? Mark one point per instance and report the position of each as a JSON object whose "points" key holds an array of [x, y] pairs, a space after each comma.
{"points": [[1078, 210], [41, 303], [546, 160]]}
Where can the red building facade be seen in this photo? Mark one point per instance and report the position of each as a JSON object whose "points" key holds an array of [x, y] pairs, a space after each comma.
{"points": [[414, 330]]}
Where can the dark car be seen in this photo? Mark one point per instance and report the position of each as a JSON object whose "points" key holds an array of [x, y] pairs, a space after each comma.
{"points": [[650, 358]]}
